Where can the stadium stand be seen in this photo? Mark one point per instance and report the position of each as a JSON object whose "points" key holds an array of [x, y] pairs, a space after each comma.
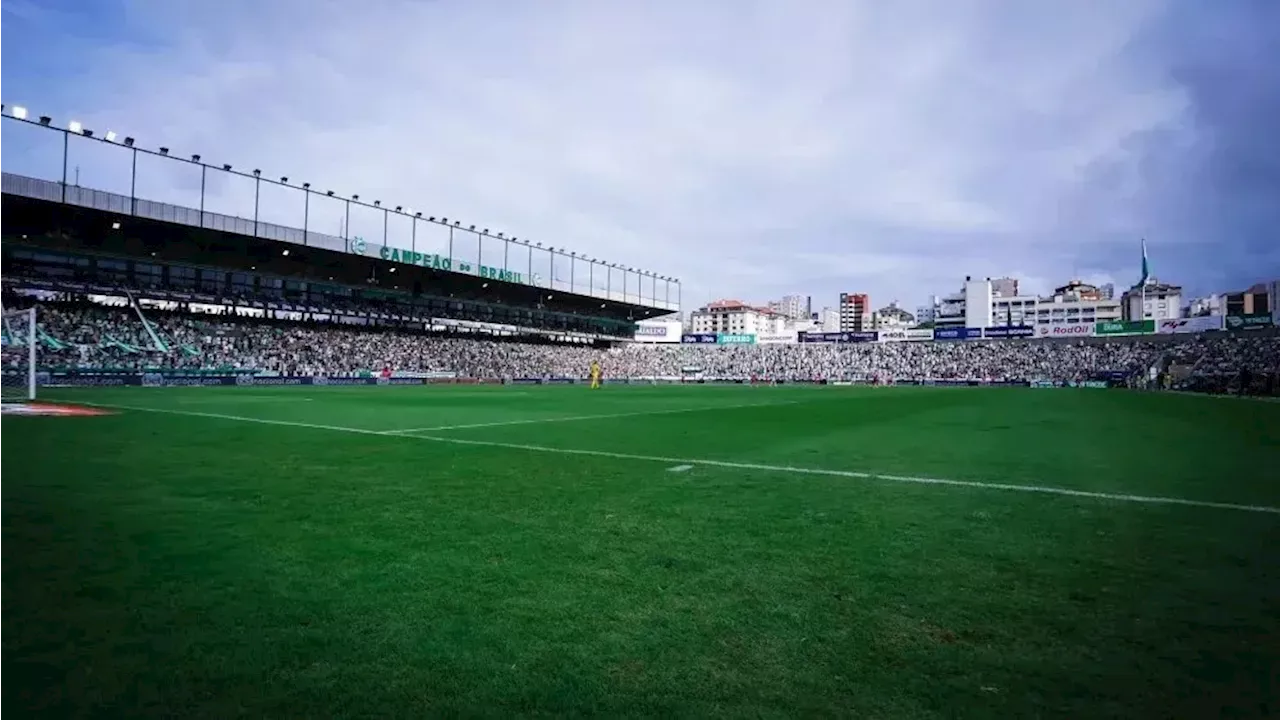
{"points": [[84, 335]]}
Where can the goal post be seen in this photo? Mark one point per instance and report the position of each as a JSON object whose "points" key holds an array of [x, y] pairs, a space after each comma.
{"points": [[20, 347]]}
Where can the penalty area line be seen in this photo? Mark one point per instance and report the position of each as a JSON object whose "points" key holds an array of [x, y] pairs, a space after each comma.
{"points": [[759, 467]]}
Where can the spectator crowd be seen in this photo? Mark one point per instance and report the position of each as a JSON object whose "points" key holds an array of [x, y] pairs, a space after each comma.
{"points": [[88, 336]]}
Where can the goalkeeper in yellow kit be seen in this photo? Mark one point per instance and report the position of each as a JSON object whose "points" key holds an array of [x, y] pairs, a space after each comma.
{"points": [[595, 374]]}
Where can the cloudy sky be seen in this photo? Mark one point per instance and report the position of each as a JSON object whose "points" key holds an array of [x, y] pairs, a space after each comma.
{"points": [[752, 148]]}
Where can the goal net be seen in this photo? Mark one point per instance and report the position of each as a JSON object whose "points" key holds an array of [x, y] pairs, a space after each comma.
{"points": [[19, 354]]}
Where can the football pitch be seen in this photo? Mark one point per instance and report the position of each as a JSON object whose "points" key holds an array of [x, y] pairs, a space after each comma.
{"points": [[702, 551]]}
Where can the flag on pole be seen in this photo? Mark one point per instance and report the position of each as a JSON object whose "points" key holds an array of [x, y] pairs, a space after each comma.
{"points": [[1146, 269]]}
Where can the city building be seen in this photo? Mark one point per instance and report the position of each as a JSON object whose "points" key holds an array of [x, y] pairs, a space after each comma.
{"points": [[978, 305], [1004, 287], [893, 317], [1153, 300], [1077, 303], [737, 318], [1209, 305], [928, 314], [826, 320], [795, 307], [855, 313]]}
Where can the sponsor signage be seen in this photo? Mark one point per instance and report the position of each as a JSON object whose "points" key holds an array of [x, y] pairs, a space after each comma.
{"points": [[735, 339], [1125, 327], [436, 261], [836, 337], [698, 338], [658, 331], [782, 339], [1065, 330], [957, 333], [913, 334], [1190, 325], [1009, 331], [1254, 321]]}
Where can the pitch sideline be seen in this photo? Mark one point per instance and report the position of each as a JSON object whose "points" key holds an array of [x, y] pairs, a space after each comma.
{"points": [[1041, 489]]}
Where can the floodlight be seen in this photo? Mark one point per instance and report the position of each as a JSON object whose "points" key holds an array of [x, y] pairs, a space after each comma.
{"points": [[399, 208], [355, 197], [88, 133], [75, 126], [111, 137], [115, 226], [306, 186], [284, 181], [285, 252], [195, 158], [257, 172], [226, 167], [128, 142], [45, 120], [377, 203], [420, 215], [19, 112], [330, 193], [164, 151]]}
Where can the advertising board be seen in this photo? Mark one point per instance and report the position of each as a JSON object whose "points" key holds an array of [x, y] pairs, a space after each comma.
{"points": [[1009, 331], [905, 335], [1125, 327], [658, 331], [779, 339], [957, 333], [698, 338], [735, 339], [1190, 325], [835, 337], [1254, 321], [1065, 330]]}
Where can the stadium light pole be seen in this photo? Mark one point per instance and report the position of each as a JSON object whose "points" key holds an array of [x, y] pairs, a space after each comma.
{"points": [[413, 232], [133, 177], [455, 223], [203, 169], [66, 150], [530, 246], [257, 190], [346, 224], [573, 260], [306, 210], [385, 219]]}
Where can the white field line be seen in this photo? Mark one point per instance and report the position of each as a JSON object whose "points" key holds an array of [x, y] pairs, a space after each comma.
{"points": [[1040, 489], [575, 418], [680, 468]]}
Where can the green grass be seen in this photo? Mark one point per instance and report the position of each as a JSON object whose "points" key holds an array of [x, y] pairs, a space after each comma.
{"points": [[180, 564]]}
